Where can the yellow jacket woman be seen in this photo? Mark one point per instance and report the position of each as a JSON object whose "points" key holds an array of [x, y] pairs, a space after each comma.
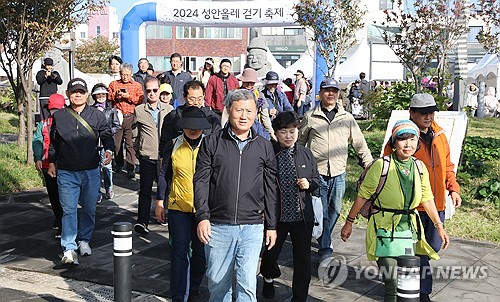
{"points": [[181, 171]]}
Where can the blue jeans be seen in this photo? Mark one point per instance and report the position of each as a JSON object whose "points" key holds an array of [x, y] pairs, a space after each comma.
{"points": [[233, 247], [331, 190], [186, 273], [302, 109], [107, 173], [77, 186], [433, 239]]}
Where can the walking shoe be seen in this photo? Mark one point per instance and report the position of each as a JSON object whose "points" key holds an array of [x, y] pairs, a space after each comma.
{"points": [[268, 290], [195, 297], [58, 234], [141, 228], [84, 248], [165, 223], [99, 197], [70, 257], [110, 194], [424, 298], [131, 174]]}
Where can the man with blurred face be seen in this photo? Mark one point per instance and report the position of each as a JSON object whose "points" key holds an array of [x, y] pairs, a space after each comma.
{"points": [[75, 133], [328, 130], [219, 85], [149, 118], [235, 192], [125, 94], [177, 78]]}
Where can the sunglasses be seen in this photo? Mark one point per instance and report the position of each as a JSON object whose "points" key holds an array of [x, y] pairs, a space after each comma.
{"points": [[155, 90]]}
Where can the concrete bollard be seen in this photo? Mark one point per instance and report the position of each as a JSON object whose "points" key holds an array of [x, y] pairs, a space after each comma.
{"points": [[408, 279], [122, 264]]}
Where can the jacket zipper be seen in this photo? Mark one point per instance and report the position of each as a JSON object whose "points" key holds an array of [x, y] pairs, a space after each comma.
{"points": [[238, 188], [297, 176], [192, 173]]}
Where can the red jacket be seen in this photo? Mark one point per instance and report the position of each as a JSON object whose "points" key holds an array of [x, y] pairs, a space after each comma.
{"points": [[214, 94], [437, 159]]}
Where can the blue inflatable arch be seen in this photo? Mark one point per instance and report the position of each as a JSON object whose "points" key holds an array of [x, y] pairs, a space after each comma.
{"points": [[179, 13]]}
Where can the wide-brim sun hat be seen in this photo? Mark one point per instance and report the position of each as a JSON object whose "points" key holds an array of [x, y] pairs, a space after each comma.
{"points": [[193, 118], [248, 75], [271, 78]]}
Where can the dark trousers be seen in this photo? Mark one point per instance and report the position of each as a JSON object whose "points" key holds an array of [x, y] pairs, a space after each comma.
{"points": [[44, 109], [125, 133], [432, 237], [186, 272], [148, 173], [300, 234], [51, 185]]}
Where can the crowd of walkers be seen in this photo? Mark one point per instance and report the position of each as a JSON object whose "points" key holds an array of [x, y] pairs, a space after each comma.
{"points": [[237, 162]]}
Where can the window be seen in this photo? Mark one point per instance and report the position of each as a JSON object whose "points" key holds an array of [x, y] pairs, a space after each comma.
{"points": [[273, 31], [115, 36], [98, 30], [158, 32], [186, 32], [473, 32], [294, 31], [160, 63], [83, 35], [386, 4]]}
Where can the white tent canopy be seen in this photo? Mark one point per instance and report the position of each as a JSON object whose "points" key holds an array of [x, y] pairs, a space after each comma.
{"points": [[488, 71]]}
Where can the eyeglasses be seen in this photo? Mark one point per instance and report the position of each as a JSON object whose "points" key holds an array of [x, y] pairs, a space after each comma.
{"points": [[192, 100], [155, 90]]}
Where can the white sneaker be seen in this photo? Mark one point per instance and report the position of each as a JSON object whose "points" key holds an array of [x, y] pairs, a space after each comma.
{"points": [[70, 257], [84, 248]]}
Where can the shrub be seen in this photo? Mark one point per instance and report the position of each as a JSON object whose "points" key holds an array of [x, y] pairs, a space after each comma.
{"points": [[477, 151], [7, 100], [383, 100]]}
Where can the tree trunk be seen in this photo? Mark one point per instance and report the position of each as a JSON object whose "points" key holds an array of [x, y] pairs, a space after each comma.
{"points": [[416, 81], [21, 135], [30, 122]]}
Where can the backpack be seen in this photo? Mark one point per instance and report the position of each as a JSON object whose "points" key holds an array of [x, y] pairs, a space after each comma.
{"points": [[367, 210]]}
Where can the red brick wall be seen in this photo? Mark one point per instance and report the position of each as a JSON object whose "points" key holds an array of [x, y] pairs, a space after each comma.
{"points": [[198, 47]]}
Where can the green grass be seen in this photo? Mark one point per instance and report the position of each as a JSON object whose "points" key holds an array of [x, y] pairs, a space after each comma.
{"points": [[9, 123], [15, 175], [475, 219], [486, 127]]}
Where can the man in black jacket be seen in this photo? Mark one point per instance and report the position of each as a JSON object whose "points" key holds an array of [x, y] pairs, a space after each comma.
{"points": [[235, 195], [48, 79], [74, 138]]}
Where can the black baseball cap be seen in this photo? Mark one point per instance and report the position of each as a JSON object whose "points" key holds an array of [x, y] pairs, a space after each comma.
{"points": [[77, 84]]}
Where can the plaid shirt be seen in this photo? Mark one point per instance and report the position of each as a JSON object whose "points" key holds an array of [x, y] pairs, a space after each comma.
{"points": [[126, 106]]}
